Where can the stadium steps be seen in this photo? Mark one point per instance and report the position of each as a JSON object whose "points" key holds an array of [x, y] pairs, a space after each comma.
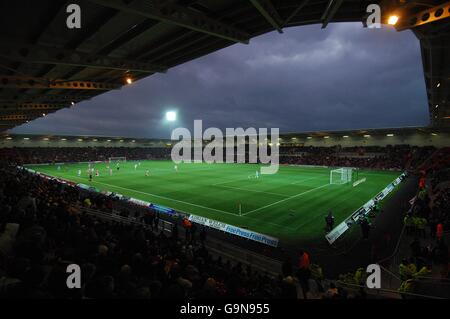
{"points": [[431, 286], [439, 158], [237, 254], [215, 247]]}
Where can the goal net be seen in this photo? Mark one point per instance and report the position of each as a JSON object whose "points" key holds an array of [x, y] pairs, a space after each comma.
{"points": [[341, 175], [117, 159]]}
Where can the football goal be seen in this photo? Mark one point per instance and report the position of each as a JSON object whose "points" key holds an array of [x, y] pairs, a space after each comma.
{"points": [[117, 159], [341, 175]]}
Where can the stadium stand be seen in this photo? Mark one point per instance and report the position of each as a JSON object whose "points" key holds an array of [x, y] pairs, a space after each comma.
{"points": [[43, 231], [424, 265], [126, 251], [45, 226], [81, 154], [391, 157]]}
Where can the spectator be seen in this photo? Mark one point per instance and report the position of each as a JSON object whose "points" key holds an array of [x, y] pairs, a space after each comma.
{"points": [[329, 219], [304, 272]]}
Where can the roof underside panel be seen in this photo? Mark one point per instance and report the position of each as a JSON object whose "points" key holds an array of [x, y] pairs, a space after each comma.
{"points": [[44, 66]]}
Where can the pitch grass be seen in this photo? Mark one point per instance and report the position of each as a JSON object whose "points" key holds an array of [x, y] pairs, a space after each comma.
{"points": [[290, 205]]}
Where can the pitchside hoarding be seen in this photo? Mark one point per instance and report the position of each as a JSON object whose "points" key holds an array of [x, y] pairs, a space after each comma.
{"points": [[261, 238]]}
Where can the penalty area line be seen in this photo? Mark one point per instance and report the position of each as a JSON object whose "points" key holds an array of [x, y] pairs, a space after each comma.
{"points": [[183, 202], [307, 179], [180, 201], [252, 190], [285, 199], [163, 197]]}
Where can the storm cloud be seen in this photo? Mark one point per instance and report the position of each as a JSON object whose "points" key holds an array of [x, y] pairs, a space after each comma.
{"points": [[306, 79]]}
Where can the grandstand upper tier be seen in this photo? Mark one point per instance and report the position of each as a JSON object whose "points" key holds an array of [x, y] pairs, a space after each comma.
{"points": [[413, 136], [45, 67]]}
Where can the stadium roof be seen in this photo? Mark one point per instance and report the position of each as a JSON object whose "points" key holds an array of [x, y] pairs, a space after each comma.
{"points": [[402, 131], [44, 66], [374, 132]]}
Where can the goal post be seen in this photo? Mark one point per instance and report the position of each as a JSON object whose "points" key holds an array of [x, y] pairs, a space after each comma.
{"points": [[117, 159], [341, 175]]}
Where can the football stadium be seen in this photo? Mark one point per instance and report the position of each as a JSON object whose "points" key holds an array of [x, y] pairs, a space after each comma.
{"points": [[334, 184], [289, 204]]}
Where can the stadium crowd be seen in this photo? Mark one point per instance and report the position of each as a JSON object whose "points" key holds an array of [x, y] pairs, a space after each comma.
{"points": [[390, 157], [42, 230], [428, 222], [37, 155], [375, 157]]}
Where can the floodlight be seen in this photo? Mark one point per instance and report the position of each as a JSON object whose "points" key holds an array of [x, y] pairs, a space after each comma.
{"points": [[171, 116], [393, 19]]}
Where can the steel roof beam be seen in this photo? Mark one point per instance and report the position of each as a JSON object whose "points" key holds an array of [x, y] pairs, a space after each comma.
{"points": [[22, 82], [330, 12], [11, 107], [426, 16], [268, 11], [22, 98], [178, 15], [16, 117], [27, 113], [295, 12], [47, 55]]}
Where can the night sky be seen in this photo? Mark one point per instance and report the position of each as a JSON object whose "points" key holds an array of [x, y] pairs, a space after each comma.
{"points": [[307, 79]]}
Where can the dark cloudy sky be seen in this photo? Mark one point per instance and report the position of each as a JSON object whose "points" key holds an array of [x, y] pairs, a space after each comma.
{"points": [[344, 77]]}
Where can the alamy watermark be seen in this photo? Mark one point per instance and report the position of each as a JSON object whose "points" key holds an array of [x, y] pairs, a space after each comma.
{"points": [[74, 279], [373, 20], [73, 20], [373, 280], [262, 148]]}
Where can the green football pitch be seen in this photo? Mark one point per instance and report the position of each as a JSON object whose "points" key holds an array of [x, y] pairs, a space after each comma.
{"points": [[289, 205]]}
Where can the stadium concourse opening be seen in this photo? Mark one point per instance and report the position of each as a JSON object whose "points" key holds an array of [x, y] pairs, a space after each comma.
{"points": [[348, 213]]}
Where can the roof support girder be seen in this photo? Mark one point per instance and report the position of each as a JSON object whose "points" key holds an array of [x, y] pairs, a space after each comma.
{"points": [[47, 98], [426, 16], [268, 11], [178, 15], [330, 11], [23, 82], [15, 117], [20, 107], [49, 55], [295, 12]]}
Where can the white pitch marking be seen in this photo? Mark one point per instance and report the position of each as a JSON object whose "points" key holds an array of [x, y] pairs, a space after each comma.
{"points": [[163, 197], [283, 200], [251, 190], [307, 179]]}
